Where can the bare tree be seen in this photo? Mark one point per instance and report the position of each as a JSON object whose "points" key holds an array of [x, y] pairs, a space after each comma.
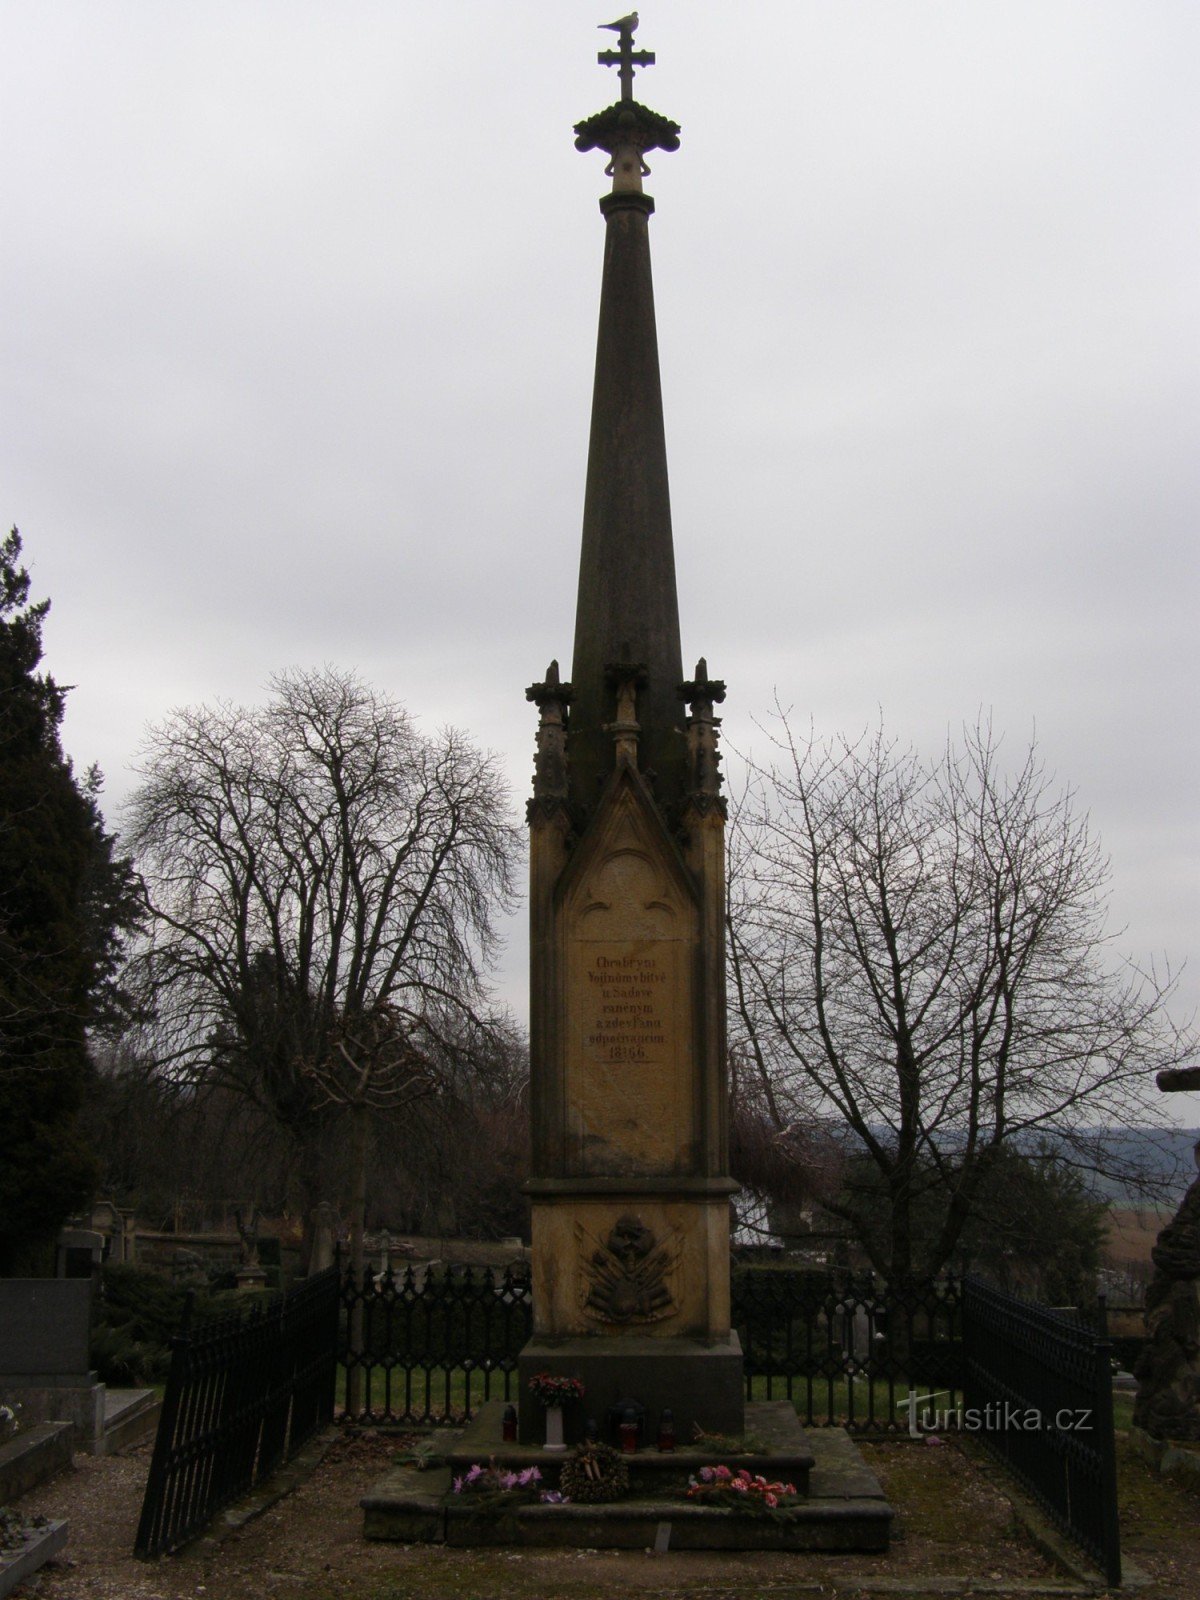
{"points": [[309, 862], [918, 953]]}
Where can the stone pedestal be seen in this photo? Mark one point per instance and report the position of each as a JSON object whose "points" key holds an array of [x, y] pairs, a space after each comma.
{"points": [[700, 1383], [630, 1196]]}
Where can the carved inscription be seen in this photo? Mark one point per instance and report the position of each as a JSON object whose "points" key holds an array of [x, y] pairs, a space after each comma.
{"points": [[629, 931], [629, 1084], [629, 1020]]}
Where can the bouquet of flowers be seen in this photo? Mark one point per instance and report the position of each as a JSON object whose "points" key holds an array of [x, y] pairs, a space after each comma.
{"points": [[742, 1491], [552, 1390], [493, 1480]]}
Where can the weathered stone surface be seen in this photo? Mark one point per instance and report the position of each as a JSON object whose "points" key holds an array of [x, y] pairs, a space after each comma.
{"points": [[50, 1399], [33, 1456], [408, 1507], [629, 929], [44, 1327], [700, 1381], [634, 1525], [575, 1268], [1168, 1371], [41, 1546]]}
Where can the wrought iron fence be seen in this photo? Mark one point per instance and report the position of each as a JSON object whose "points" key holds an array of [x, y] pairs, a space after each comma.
{"points": [[427, 1346], [847, 1350], [243, 1394], [1038, 1391]]}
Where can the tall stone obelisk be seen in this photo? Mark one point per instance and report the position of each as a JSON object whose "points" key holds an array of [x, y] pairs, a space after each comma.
{"points": [[630, 1185]]}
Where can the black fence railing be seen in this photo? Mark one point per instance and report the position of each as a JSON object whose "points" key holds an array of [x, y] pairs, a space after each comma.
{"points": [[846, 1349], [1038, 1392], [426, 1347], [243, 1394]]}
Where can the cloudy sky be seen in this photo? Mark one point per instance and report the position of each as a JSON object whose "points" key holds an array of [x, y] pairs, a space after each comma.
{"points": [[299, 308]]}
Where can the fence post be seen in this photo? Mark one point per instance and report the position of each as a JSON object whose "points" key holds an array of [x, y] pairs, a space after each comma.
{"points": [[148, 1532], [1107, 1443]]}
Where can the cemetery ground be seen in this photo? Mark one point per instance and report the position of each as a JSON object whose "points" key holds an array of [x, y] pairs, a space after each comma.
{"points": [[957, 1533]]}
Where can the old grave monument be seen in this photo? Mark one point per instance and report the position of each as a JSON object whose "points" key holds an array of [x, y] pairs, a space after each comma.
{"points": [[630, 1187]]}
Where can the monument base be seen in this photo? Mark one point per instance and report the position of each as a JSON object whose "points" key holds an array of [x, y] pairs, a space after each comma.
{"points": [[841, 1504], [699, 1381]]}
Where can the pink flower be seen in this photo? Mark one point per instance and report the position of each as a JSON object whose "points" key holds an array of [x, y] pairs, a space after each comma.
{"points": [[772, 1500]]}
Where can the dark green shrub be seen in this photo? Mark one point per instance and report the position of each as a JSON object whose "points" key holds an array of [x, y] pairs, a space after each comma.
{"points": [[138, 1312]]}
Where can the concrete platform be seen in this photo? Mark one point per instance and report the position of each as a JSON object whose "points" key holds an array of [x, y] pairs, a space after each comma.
{"points": [[845, 1508]]}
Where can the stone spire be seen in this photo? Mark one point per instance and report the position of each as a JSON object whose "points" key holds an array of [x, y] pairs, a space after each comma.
{"points": [[629, 1180], [627, 614]]}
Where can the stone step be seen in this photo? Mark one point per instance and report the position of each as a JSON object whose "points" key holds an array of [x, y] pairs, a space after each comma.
{"points": [[780, 1449], [845, 1508], [662, 1524]]}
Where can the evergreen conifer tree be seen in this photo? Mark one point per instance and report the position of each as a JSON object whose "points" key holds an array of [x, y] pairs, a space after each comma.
{"points": [[66, 900]]}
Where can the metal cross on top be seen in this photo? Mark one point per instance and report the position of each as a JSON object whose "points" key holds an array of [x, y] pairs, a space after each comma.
{"points": [[625, 57]]}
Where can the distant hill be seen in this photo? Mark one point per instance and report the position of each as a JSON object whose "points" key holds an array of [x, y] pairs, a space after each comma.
{"points": [[1161, 1157], [1161, 1154]]}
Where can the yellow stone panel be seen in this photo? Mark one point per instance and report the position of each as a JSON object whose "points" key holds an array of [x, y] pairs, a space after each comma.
{"points": [[630, 933]]}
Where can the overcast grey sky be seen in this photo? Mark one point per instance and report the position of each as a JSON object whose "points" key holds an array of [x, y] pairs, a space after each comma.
{"points": [[299, 309]]}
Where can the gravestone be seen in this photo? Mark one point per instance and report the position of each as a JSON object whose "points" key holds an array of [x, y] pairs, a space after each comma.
{"points": [[44, 1354], [630, 1187], [324, 1243]]}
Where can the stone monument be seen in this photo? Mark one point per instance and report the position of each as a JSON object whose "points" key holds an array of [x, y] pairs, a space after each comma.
{"points": [[630, 1186], [1168, 1372]]}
